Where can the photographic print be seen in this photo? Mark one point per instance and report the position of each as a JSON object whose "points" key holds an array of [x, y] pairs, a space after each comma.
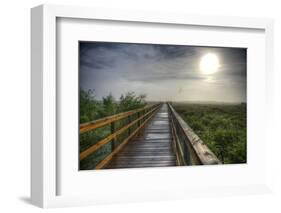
{"points": [[156, 105]]}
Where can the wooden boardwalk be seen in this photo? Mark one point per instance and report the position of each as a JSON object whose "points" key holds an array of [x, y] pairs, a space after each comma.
{"points": [[152, 147], [157, 137]]}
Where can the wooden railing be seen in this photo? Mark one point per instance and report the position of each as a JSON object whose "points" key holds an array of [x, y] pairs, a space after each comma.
{"points": [[189, 148], [142, 115]]}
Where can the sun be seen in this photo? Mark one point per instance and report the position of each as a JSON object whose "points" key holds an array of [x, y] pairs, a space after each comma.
{"points": [[209, 63]]}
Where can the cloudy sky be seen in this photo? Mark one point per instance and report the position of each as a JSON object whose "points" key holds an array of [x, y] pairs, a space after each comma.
{"points": [[162, 72]]}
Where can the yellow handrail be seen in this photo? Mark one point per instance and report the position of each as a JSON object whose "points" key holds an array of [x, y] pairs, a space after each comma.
{"points": [[108, 120]]}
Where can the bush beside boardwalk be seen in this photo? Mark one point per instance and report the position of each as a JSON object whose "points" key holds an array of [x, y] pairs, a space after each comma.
{"points": [[92, 109], [221, 126]]}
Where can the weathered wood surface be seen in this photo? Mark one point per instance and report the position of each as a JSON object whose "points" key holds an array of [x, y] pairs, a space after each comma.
{"points": [[198, 150], [105, 161], [152, 147]]}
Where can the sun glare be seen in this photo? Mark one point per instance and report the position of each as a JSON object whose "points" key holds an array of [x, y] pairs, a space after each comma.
{"points": [[209, 64]]}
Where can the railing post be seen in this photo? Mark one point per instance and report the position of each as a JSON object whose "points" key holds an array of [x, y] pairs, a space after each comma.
{"points": [[114, 139], [129, 121], [139, 122]]}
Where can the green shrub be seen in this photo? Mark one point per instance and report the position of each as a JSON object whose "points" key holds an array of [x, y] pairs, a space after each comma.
{"points": [[222, 127], [92, 109]]}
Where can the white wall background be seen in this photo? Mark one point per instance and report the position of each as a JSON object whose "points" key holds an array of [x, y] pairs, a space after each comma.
{"points": [[15, 105]]}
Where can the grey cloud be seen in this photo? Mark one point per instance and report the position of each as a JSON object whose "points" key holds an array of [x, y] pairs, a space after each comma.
{"points": [[153, 68]]}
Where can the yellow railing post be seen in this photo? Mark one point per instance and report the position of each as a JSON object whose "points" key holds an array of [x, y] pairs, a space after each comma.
{"points": [[113, 139]]}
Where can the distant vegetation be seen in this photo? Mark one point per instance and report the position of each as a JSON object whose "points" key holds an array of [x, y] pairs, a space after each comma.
{"points": [[221, 126], [92, 109]]}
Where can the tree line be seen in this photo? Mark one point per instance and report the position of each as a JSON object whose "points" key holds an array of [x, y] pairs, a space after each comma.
{"points": [[92, 109]]}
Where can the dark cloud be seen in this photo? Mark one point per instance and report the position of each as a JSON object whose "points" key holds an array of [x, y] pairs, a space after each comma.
{"points": [[161, 69]]}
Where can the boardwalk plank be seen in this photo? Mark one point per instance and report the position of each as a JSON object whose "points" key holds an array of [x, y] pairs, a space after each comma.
{"points": [[152, 147]]}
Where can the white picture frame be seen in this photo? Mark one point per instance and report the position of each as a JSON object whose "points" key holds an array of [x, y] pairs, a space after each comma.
{"points": [[44, 153]]}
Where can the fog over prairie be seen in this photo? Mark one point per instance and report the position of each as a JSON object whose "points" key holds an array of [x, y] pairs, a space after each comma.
{"points": [[162, 72]]}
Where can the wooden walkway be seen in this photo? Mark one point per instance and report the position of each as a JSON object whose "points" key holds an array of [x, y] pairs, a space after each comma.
{"points": [[151, 148]]}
